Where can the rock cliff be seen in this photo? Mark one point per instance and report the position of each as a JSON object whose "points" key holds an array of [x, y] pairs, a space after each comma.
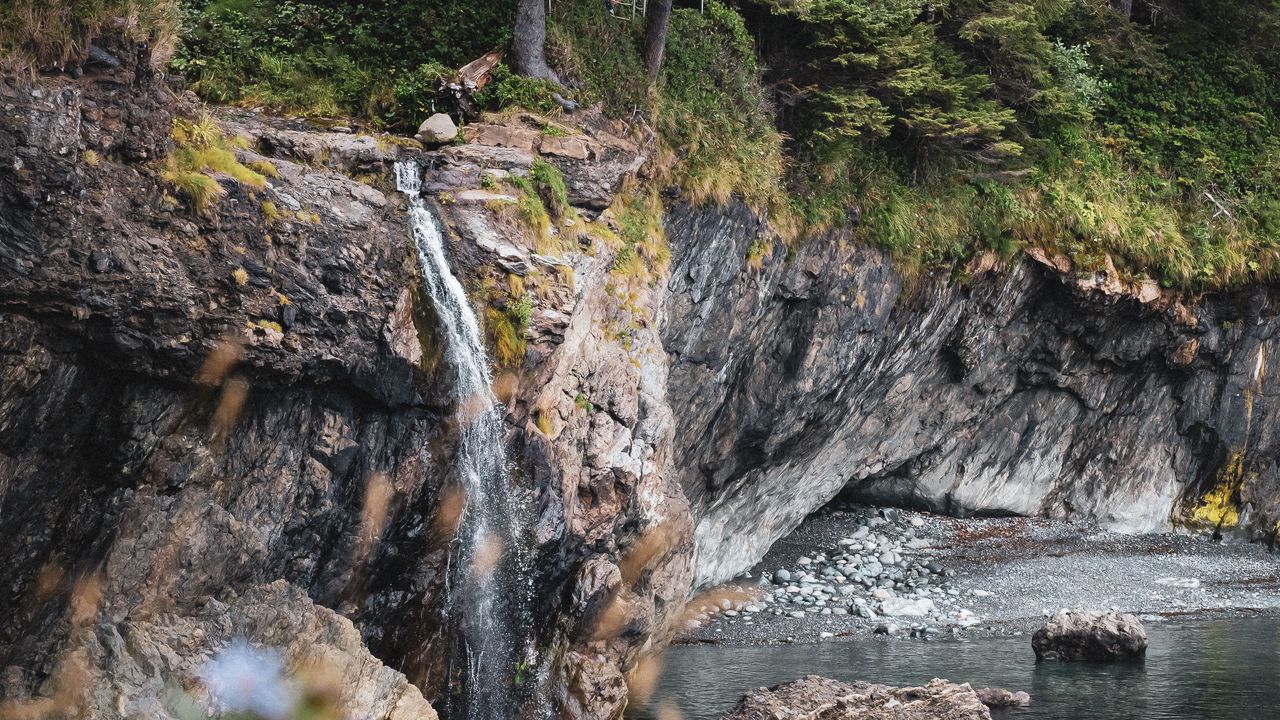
{"points": [[204, 410], [1017, 387], [200, 403]]}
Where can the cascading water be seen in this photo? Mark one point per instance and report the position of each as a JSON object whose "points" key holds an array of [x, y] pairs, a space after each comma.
{"points": [[490, 579]]}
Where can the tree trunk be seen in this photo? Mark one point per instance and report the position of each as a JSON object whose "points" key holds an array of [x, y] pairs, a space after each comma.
{"points": [[528, 45], [1124, 7], [655, 36]]}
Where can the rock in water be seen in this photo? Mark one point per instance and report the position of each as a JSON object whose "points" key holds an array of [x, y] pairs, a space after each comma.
{"points": [[437, 129], [819, 697], [1079, 635], [1001, 698]]}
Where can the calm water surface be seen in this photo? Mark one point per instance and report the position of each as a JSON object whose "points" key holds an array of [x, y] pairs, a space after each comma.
{"points": [[1220, 669]]}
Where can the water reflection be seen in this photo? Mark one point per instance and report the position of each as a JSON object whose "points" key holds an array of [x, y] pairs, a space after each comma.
{"points": [[1223, 669]]}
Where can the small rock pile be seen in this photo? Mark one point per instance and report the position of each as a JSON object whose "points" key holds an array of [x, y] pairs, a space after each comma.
{"points": [[818, 697], [880, 573]]}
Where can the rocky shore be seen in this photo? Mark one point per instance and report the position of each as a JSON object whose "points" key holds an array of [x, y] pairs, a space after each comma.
{"points": [[862, 571]]}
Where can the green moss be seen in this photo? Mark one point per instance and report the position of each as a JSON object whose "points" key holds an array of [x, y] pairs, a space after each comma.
{"points": [[269, 325], [270, 211]]}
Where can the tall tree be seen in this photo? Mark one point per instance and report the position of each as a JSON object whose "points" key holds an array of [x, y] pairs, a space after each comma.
{"points": [[528, 44], [655, 36]]}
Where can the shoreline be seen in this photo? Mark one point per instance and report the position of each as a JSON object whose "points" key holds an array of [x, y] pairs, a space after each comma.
{"points": [[974, 578]]}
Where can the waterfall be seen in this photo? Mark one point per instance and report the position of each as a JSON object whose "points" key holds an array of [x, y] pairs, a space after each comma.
{"points": [[490, 579]]}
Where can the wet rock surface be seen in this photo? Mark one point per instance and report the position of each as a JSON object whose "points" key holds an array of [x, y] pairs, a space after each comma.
{"points": [[1084, 636], [818, 698], [1001, 698]]}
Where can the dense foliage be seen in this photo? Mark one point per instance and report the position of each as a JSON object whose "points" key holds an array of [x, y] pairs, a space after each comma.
{"points": [[709, 107], [968, 124], [381, 61], [934, 129]]}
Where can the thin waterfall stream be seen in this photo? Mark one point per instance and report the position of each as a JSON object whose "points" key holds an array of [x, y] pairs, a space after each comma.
{"points": [[490, 578]]}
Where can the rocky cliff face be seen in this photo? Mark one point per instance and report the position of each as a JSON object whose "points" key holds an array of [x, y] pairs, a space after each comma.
{"points": [[239, 416], [193, 404], [1018, 389], [235, 420]]}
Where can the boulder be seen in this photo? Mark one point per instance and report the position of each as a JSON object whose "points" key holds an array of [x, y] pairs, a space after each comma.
{"points": [[1079, 635], [1001, 698], [131, 666], [819, 697], [437, 129]]}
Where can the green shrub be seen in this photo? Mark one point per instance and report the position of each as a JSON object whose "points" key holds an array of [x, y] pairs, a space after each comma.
{"points": [[376, 61], [508, 90]]}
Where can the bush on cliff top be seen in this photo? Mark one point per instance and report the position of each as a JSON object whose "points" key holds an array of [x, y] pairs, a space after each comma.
{"points": [[933, 130], [377, 61]]}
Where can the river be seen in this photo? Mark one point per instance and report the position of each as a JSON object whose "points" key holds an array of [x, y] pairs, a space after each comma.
{"points": [[1220, 668]]}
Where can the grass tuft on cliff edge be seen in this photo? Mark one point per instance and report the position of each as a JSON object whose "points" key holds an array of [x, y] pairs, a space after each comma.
{"points": [[53, 34]]}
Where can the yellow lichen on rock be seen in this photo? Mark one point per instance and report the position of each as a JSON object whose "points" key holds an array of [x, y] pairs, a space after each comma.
{"points": [[1219, 507]]}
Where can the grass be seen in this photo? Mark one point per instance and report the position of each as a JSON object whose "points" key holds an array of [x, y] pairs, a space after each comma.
{"points": [[550, 184], [645, 255], [714, 124], [202, 189], [506, 335], [201, 152], [1143, 146], [381, 63], [56, 34], [270, 211]]}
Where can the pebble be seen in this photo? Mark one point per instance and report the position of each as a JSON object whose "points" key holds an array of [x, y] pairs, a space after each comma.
{"points": [[857, 574]]}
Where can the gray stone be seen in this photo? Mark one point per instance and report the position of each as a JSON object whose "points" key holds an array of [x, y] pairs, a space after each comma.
{"points": [[904, 607], [1078, 635], [437, 130]]}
